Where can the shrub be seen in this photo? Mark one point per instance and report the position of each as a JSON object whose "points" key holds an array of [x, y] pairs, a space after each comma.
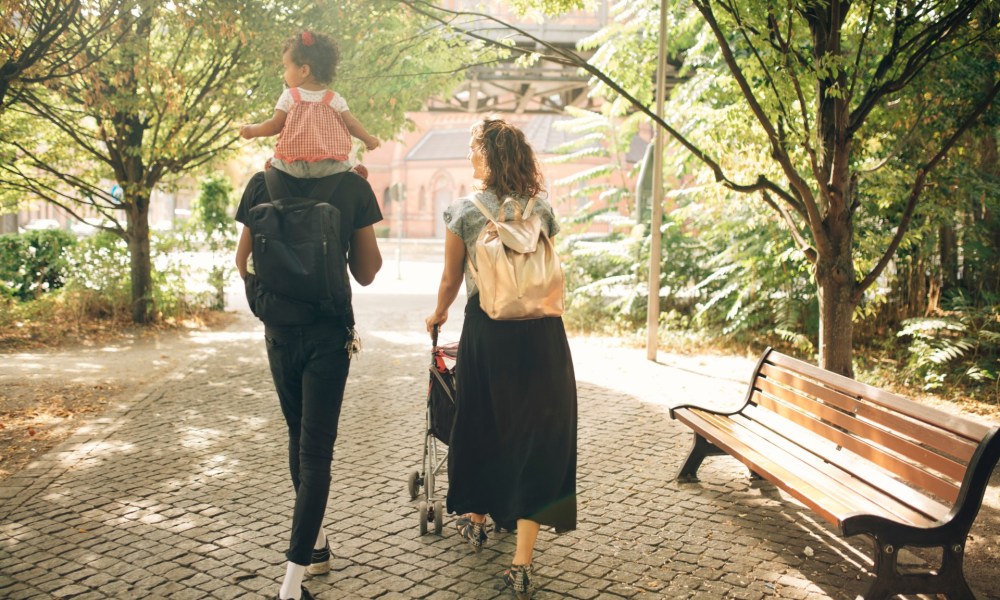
{"points": [[214, 228], [100, 282], [33, 262]]}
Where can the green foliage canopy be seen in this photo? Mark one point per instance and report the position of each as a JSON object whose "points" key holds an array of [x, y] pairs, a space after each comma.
{"points": [[162, 90]]}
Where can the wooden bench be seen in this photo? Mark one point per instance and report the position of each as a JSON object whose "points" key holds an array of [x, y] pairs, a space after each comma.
{"points": [[867, 461]]}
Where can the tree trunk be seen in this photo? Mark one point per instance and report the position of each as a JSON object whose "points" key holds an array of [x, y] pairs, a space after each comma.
{"points": [[991, 272], [989, 159], [948, 245], [836, 325], [835, 282], [141, 264], [8, 223]]}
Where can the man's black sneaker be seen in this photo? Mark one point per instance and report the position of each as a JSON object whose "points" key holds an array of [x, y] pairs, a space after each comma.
{"points": [[305, 595]]}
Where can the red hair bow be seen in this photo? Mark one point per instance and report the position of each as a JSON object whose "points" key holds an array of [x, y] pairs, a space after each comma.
{"points": [[307, 38]]}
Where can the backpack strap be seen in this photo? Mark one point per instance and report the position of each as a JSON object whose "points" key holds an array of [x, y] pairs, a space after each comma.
{"points": [[276, 187], [518, 213], [528, 209], [482, 208]]}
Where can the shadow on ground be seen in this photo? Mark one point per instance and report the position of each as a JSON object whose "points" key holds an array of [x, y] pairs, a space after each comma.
{"points": [[184, 493]]}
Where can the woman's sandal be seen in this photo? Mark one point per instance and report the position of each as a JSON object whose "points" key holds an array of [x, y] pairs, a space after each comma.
{"points": [[473, 532], [518, 579]]}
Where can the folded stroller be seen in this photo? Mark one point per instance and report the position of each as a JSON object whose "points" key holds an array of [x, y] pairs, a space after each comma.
{"points": [[441, 396]]}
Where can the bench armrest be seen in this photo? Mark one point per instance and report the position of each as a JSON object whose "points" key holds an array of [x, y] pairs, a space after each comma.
{"points": [[746, 400], [705, 409]]}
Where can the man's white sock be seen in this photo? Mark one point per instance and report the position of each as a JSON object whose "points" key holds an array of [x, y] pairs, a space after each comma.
{"points": [[291, 587]]}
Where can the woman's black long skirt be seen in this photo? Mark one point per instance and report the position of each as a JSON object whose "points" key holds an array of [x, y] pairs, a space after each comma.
{"points": [[513, 448]]}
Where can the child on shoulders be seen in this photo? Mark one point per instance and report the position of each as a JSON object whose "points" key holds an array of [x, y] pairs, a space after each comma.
{"points": [[313, 123]]}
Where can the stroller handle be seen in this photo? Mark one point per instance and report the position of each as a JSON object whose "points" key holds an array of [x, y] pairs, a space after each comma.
{"points": [[434, 335]]}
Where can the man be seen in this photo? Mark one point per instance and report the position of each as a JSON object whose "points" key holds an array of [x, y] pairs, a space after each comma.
{"points": [[309, 351]]}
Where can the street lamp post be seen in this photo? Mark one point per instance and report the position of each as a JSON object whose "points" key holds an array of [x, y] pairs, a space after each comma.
{"points": [[656, 218]]}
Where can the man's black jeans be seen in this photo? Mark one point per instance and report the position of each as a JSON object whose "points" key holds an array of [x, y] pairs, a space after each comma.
{"points": [[309, 365]]}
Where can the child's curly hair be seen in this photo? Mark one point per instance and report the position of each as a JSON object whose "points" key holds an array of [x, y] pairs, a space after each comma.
{"points": [[316, 50]]}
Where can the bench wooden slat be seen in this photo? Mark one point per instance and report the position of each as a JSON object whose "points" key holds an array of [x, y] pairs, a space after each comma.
{"points": [[806, 493], [943, 489], [968, 429], [791, 472], [887, 439], [850, 463], [889, 504], [927, 434]]}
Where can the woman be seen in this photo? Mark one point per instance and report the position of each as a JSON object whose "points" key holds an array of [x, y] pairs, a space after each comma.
{"points": [[513, 449]]}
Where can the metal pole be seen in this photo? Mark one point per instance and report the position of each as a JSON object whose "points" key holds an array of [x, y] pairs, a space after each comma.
{"points": [[401, 204], [653, 306]]}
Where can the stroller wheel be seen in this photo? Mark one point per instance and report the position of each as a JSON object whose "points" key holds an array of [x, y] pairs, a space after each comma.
{"points": [[413, 485], [438, 517], [422, 509]]}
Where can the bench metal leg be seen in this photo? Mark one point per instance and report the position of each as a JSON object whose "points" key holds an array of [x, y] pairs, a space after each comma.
{"points": [[700, 449], [889, 582]]}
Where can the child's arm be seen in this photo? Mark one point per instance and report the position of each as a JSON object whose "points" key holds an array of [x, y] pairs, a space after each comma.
{"points": [[358, 130], [268, 128]]}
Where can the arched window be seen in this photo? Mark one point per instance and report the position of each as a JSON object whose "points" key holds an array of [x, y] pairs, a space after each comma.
{"points": [[442, 194]]}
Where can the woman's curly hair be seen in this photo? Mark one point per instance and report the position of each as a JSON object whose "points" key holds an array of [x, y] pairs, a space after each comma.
{"points": [[511, 166], [318, 51]]}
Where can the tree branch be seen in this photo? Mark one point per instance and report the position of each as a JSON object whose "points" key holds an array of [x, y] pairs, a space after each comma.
{"points": [[778, 152], [917, 189], [742, 27], [926, 42], [861, 48], [804, 245], [567, 57]]}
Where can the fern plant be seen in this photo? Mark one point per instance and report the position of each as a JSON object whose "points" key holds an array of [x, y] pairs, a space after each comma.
{"points": [[960, 346], [602, 253]]}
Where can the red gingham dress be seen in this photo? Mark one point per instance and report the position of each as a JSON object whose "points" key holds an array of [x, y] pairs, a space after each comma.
{"points": [[313, 131]]}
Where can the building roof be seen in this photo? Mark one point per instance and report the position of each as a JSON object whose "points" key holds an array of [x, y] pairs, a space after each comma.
{"points": [[544, 137], [441, 144]]}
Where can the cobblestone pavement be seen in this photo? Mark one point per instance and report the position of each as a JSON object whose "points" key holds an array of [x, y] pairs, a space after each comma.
{"points": [[182, 492]]}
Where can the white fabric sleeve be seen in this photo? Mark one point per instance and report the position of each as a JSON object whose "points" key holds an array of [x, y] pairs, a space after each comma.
{"points": [[338, 103], [285, 101]]}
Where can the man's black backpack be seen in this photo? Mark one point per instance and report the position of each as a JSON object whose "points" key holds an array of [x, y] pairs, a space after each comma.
{"points": [[299, 263]]}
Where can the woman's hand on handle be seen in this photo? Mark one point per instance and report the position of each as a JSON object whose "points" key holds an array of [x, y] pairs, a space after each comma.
{"points": [[436, 318]]}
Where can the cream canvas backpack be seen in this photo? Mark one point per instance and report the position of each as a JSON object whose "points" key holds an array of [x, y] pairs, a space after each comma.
{"points": [[516, 269]]}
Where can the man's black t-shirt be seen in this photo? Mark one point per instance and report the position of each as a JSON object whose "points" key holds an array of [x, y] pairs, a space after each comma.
{"points": [[354, 199]]}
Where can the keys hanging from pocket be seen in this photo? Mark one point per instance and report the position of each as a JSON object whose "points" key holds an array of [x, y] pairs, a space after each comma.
{"points": [[353, 345]]}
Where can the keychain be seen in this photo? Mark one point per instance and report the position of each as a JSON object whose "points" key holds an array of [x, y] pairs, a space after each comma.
{"points": [[353, 345]]}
